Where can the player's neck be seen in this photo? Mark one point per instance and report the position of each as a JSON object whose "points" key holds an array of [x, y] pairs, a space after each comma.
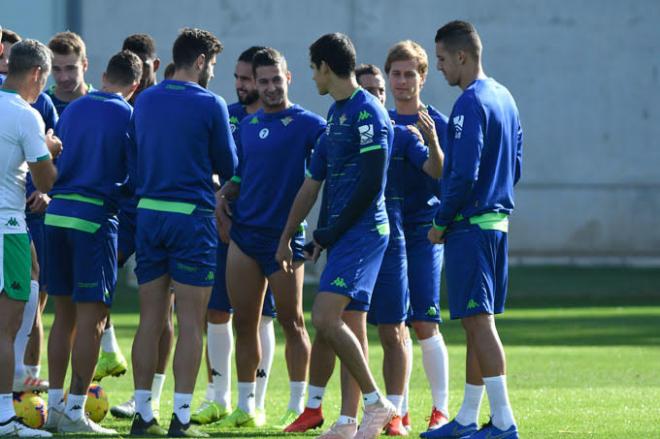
{"points": [[185, 75], [276, 109], [343, 88], [473, 73], [21, 88], [408, 106], [253, 107], [79, 91]]}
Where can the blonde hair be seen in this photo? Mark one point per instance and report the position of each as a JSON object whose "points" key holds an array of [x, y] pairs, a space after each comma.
{"points": [[407, 50], [65, 43]]}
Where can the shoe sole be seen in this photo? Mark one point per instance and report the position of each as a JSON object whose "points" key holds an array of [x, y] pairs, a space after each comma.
{"points": [[317, 425], [121, 415]]}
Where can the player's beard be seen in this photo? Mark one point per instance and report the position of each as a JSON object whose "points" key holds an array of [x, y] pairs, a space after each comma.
{"points": [[249, 99]]}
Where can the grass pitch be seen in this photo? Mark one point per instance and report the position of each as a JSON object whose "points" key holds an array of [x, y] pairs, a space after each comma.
{"points": [[580, 365]]}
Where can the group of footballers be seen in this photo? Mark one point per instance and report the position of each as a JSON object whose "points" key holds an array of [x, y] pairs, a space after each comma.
{"points": [[212, 200]]}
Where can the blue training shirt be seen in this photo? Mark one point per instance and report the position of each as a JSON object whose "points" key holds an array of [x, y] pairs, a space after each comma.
{"points": [[237, 113], [483, 156], [182, 137], [60, 105], [421, 192], [356, 125]]}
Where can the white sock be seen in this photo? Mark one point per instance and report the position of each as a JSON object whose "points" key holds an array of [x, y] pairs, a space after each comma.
{"points": [[6, 407], [343, 420], [371, 397], [315, 396], [182, 406], [246, 396], [33, 371], [75, 406], [297, 396], [267, 339], [210, 391], [498, 397], [219, 344], [397, 401], [56, 399], [469, 411], [409, 361], [23, 334], [436, 366], [109, 341], [157, 388], [143, 404]]}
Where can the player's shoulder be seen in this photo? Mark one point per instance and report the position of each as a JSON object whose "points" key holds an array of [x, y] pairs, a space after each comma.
{"points": [[436, 115], [366, 107], [298, 112]]}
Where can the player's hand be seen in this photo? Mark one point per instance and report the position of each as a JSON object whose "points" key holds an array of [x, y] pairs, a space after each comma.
{"points": [[436, 236], [413, 129], [427, 125], [284, 256], [223, 218], [37, 202], [53, 143], [312, 251]]}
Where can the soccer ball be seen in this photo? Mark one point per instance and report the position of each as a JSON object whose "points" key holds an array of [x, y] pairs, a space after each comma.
{"points": [[97, 404], [31, 408]]}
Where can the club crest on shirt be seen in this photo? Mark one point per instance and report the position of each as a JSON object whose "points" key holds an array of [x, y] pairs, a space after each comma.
{"points": [[366, 134], [286, 120], [458, 126], [263, 133]]}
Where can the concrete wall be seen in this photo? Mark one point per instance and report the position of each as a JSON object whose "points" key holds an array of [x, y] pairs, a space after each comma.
{"points": [[585, 75]]}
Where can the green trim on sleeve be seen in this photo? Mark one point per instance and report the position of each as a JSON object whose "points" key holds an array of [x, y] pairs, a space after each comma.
{"points": [[235, 179], [167, 206], [370, 148], [439, 228], [81, 198], [70, 222], [44, 157]]}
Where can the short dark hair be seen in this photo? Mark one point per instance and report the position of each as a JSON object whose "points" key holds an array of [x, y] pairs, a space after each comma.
{"points": [[367, 69], [169, 71], [28, 54], [66, 43], [268, 57], [9, 36], [142, 45], [337, 51], [193, 42], [124, 68], [460, 35], [248, 54]]}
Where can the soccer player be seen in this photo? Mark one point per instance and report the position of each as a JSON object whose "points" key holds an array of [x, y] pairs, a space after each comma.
{"points": [[27, 346], [81, 230], [352, 158], [112, 362], [182, 137], [484, 162], [219, 331], [274, 148], [69, 67], [23, 140], [406, 67]]}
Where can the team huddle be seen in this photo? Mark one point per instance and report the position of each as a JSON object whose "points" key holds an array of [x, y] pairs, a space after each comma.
{"points": [[212, 201]]}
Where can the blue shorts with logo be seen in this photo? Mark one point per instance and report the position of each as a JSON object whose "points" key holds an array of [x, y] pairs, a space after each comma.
{"points": [[82, 265], [262, 245], [476, 270], [424, 271], [181, 245], [353, 265], [126, 238], [219, 298], [389, 302], [37, 232]]}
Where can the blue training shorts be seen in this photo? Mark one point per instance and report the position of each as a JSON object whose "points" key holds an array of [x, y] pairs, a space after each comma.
{"points": [[353, 265], [424, 271], [178, 244], [219, 298], [126, 237], [37, 232], [82, 264], [476, 269], [389, 302]]}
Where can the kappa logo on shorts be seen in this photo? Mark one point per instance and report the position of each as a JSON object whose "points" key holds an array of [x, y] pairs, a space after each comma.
{"points": [[432, 311], [210, 275], [472, 304], [339, 282], [366, 134], [15, 286], [13, 222]]}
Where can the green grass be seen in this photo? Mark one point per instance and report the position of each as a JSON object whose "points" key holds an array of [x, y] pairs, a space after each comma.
{"points": [[576, 369]]}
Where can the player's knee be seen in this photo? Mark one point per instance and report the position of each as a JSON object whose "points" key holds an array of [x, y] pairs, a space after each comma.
{"points": [[291, 323], [324, 323], [392, 337], [424, 330], [479, 323]]}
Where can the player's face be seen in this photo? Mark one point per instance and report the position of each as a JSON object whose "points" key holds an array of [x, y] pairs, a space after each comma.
{"points": [[207, 72], [4, 57], [272, 85], [374, 84], [405, 81], [148, 75], [246, 90], [69, 71], [448, 64], [320, 79]]}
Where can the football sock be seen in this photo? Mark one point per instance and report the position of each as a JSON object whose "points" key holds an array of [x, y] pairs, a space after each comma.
{"points": [[6, 407], [33, 371], [371, 397], [267, 339], [469, 411], [23, 334], [157, 387], [143, 404], [409, 364], [182, 406], [397, 401], [297, 396], [55, 399], [315, 396], [109, 341], [435, 359], [75, 405], [500, 408], [343, 420], [220, 342], [210, 391], [246, 396]]}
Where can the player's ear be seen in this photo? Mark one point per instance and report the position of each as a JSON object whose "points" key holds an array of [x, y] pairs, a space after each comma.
{"points": [[85, 64], [156, 64], [200, 61], [288, 77]]}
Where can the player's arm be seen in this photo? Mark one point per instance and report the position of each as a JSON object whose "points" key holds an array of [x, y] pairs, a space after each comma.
{"points": [[433, 165], [464, 167], [39, 151], [519, 154], [222, 148]]}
